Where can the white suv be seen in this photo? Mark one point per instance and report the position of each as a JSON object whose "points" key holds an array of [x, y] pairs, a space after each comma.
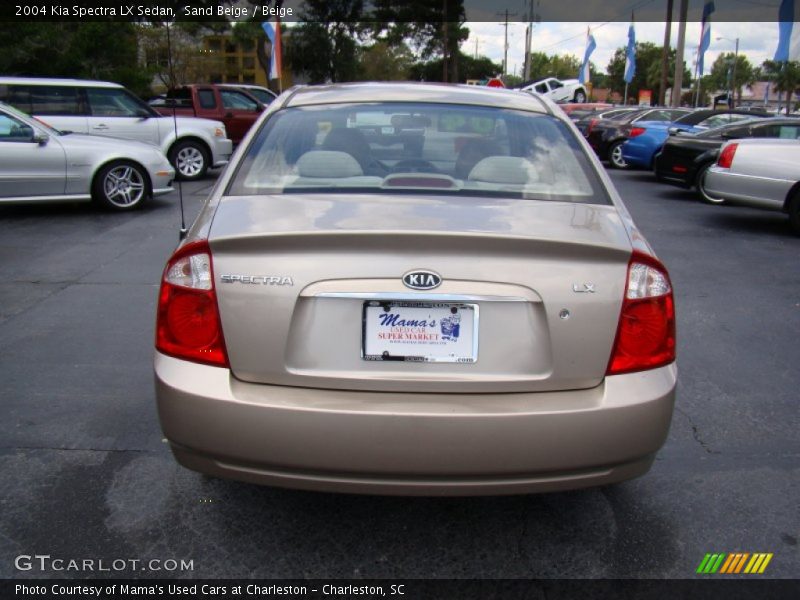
{"points": [[568, 90], [108, 109]]}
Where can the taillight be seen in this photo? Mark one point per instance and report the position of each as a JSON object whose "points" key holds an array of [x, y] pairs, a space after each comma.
{"points": [[646, 331], [636, 131], [188, 324], [726, 156], [592, 123]]}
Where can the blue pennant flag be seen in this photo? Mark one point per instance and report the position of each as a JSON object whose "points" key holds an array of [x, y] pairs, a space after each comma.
{"points": [[583, 75], [630, 55], [705, 36], [788, 33]]}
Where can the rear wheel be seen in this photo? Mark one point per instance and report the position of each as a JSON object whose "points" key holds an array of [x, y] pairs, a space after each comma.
{"points": [[190, 159], [580, 97], [120, 185], [794, 212], [615, 156], [701, 188]]}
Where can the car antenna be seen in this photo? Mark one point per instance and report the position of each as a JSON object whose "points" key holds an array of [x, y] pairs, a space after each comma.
{"points": [[183, 231]]}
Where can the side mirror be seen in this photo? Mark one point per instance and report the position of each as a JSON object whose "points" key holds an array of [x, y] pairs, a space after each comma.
{"points": [[40, 138]]}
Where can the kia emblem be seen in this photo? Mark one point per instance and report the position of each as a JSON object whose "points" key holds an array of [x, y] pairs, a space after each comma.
{"points": [[422, 280]]}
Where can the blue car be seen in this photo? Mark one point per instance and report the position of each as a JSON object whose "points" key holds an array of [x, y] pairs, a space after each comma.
{"points": [[646, 138]]}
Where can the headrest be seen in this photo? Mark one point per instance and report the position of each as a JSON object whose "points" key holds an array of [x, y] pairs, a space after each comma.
{"points": [[512, 170], [328, 164]]}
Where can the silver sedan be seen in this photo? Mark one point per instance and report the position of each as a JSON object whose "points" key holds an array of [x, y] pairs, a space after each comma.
{"points": [[761, 173], [41, 164]]}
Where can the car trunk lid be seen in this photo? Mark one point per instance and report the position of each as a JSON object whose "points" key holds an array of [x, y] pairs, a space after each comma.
{"points": [[539, 284]]}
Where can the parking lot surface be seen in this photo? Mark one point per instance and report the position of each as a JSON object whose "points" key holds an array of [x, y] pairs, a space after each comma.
{"points": [[87, 474]]}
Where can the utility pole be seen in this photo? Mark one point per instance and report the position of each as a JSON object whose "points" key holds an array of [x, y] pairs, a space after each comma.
{"points": [[476, 47], [505, 46], [732, 102], [677, 80], [531, 18], [662, 86]]}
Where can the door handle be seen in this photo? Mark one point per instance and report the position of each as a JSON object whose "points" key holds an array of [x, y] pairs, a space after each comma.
{"points": [[101, 126], [229, 115]]}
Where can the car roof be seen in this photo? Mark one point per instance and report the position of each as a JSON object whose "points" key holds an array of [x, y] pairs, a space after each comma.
{"points": [[251, 86], [345, 93], [767, 141], [698, 116], [716, 131], [56, 81]]}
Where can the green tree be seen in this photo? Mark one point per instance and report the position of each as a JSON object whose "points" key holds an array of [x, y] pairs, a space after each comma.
{"points": [[784, 77], [432, 28], [560, 66], [385, 62], [648, 70], [469, 68], [69, 49], [324, 44], [179, 59], [718, 79]]}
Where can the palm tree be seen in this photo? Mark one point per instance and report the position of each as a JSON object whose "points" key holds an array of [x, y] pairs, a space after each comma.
{"points": [[784, 77]]}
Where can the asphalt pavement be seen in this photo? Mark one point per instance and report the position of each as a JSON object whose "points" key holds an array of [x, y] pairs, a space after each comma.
{"points": [[86, 473]]}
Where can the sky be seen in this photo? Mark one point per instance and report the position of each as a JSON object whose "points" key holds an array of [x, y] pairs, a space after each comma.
{"points": [[757, 40]]}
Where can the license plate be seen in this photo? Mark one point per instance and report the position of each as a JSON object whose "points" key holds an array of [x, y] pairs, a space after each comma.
{"points": [[420, 331]]}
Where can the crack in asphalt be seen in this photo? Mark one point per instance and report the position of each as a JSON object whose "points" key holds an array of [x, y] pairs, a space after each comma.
{"points": [[696, 433]]}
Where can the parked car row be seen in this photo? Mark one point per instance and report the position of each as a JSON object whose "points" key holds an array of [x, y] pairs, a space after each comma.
{"points": [[236, 108], [684, 160], [77, 140], [39, 163], [646, 139], [708, 150], [107, 109], [607, 135]]}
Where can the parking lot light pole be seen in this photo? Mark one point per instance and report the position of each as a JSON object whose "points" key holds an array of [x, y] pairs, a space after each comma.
{"points": [[732, 101]]}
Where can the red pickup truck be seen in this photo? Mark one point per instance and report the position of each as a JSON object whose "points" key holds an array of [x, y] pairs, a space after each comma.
{"points": [[237, 109]]}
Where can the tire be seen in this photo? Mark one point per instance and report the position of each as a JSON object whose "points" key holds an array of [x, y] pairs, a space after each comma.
{"points": [[794, 212], [580, 97], [615, 158], [121, 186], [190, 159], [701, 191]]}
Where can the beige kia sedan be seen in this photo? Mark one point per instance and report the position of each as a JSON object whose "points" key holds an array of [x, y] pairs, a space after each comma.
{"points": [[415, 289]]}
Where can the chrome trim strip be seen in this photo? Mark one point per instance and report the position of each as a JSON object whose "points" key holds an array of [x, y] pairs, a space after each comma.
{"points": [[419, 296]]}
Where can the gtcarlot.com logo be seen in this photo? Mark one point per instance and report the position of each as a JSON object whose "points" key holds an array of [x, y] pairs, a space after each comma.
{"points": [[736, 563], [45, 562]]}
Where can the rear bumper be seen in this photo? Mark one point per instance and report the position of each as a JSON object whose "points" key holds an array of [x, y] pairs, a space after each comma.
{"points": [[748, 190], [638, 153], [413, 444], [663, 166]]}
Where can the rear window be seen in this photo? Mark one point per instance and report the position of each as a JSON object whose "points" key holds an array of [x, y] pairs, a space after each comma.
{"points": [[408, 147], [206, 98]]}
